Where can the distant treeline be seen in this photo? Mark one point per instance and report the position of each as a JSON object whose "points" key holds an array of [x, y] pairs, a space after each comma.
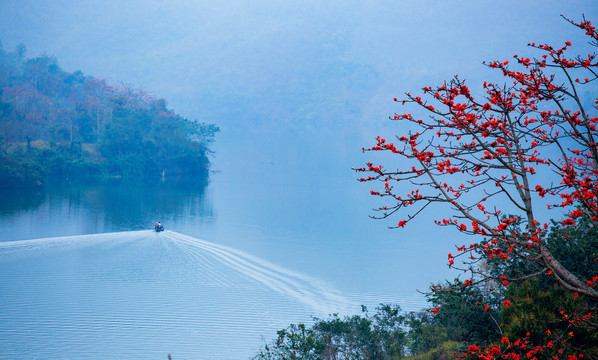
{"points": [[60, 125]]}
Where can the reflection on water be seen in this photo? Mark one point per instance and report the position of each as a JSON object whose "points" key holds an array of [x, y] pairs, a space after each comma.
{"points": [[19, 200], [71, 208]]}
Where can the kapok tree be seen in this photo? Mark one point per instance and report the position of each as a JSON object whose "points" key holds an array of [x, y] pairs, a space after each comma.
{"points": [[525, 146]]}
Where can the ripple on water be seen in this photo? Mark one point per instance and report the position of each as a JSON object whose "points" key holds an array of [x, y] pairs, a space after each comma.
{"points": [[144, 295]]}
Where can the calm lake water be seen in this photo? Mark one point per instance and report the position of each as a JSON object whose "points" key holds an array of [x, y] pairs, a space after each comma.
{"points": [[280, 234]]}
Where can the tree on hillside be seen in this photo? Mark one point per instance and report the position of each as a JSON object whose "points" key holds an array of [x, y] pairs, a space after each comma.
{"points": [[493, 161], [96, 95], [66, 125]]}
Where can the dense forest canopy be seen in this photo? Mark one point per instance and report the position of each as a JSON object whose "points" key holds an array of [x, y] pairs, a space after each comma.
{"points": [[56, 124]]}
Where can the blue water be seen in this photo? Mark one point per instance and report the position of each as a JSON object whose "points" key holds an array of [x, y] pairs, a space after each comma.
{"points": [[275, 238], [142, 295]]}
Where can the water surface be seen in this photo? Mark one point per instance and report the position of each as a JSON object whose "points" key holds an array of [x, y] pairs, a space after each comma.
{"points": [[274, 238]]}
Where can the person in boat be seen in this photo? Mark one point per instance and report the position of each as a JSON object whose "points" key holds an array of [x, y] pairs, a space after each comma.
{"points": [[158, 226]]}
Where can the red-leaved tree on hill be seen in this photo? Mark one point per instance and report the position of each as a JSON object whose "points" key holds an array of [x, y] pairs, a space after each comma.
{"points": [[523, 147]]}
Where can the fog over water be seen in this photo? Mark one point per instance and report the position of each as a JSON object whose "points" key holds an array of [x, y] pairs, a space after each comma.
{"points": [[281, 232]]}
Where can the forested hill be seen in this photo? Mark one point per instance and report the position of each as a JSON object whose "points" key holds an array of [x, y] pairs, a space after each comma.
{"points": [[56, 125]]}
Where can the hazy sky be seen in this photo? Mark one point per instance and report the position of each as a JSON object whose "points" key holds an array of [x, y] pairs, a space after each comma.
{"points": [[301, 64]]}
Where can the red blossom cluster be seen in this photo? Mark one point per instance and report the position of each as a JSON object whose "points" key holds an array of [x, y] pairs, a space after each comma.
{"points": [[531, 143], [554, 346], [472, 154]]}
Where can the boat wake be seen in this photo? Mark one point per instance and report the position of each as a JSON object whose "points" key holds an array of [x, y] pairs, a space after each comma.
{"points": [[320, 297], [212, 261]]}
